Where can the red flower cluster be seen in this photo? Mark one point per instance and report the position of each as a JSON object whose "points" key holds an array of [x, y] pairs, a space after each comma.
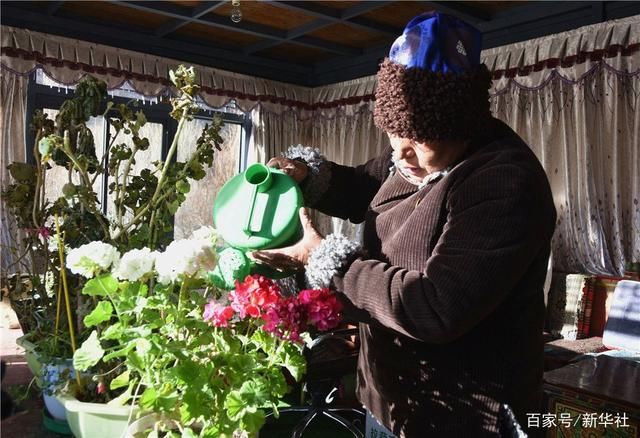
{"points": [[260, 297]]}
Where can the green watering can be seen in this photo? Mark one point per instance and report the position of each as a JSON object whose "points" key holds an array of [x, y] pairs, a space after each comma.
{"points": [[257, 209]]}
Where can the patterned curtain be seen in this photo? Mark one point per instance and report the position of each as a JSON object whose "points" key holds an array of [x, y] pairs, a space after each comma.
{"points": [[582, 120]]}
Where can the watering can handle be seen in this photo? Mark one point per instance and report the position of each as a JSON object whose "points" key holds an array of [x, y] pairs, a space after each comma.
{"points": [[252, 204]]}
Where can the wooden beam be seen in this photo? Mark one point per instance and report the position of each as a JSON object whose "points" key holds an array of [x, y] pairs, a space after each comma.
{"points": [[53, 7], [255, 29], [346, 16], [462, 10], [196, 12], [326, 17], [528, 13], [128, 38]]}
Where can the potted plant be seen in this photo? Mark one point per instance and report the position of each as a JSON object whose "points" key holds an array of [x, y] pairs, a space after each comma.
{"points": [[144, 205], [205, 361]]}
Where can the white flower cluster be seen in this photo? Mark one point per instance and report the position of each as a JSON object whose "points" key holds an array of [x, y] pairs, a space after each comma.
{"points": [[135, 264], [205, 233], [188, 257], [92, 258]]}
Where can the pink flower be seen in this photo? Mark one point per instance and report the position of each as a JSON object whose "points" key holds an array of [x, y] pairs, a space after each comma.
{"points": [[323, 307], [217, 314], [286, 319], [254, 296]]}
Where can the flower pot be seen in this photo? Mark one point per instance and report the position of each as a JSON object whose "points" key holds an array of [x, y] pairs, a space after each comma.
{"points": [[50, 374], [89, 420], [54, 407], [32, 357], [141, 427]]}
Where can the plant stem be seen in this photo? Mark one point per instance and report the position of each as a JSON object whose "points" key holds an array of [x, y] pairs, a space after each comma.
{"points": [[165, 168], [63, 274], [59, 301], [85, 179], [39, 182]]}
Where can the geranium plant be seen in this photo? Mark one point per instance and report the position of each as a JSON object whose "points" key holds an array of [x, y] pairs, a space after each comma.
{"points": [[211, 361]]}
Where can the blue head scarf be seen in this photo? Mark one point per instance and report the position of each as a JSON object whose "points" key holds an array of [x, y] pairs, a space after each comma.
{"points": [[438, 42]]}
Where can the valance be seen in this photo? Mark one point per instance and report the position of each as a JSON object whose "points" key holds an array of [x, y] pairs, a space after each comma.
{"points": [[67, 60]]}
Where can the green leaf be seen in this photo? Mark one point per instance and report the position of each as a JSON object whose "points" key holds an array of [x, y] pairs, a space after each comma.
{"points": [[100, 286], [294, 361], [114, 331], [251, 395], [234, 404], [120, 381], [188, 372], [149, 398], [123, 398], [89, 353], [101, 313], [253, 421], [183, 186], [134, 360], [118, 353], [173, 207], [167, 402]]}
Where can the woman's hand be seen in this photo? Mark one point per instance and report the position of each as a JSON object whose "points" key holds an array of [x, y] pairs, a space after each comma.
{"points": [[295, 257], [295, 169]]}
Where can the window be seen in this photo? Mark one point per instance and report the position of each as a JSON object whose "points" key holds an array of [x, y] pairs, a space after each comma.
{"points": [[196, 211]]}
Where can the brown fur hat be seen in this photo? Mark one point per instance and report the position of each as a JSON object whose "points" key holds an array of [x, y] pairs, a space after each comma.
{"points": [[425, 105]]}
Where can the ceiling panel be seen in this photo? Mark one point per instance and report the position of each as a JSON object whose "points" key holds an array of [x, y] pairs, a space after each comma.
{"points": [[397, 14], [344, 34], [492, 6], [113, 13], [295, 53], [264, 13], [216, 35], [187, 3], [337, 4]]}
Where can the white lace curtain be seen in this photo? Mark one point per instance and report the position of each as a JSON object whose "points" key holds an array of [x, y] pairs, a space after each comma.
{"points": [[576, 108]]}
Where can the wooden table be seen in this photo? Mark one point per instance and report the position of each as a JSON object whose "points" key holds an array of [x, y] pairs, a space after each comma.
{"points": [[595, 397]]}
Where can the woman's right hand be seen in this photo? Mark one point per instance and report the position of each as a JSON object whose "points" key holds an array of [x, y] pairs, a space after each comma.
{"points": [[295, 169]]}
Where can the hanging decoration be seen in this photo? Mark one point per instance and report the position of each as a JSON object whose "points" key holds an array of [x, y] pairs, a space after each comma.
{"points": [[236, 13]]}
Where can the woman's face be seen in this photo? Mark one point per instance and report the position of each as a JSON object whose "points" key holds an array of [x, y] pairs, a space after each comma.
{"points": [[412, 156], [420, 159]]}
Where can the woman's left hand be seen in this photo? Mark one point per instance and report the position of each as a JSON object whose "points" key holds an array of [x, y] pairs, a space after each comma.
{"points": [[295, 257]]}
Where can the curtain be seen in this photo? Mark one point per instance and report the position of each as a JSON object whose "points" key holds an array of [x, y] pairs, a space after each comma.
{"points": [[346, 135], [13, 101], [67, 60], [582, 120]]}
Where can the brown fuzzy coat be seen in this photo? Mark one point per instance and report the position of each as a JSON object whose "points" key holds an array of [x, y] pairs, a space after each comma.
{"points": [[450, 294]]}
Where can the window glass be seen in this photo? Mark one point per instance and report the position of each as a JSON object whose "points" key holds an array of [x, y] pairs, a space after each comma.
{"points": [[143, 159], [196, 210], [58, 176]]}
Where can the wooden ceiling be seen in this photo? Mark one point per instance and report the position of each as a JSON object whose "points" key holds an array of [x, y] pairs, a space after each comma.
{"points": [[303, 42]]}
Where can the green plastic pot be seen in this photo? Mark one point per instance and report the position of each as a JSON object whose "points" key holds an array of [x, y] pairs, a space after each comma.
{"points": [[60, 427], [32, 357], [258, 209], [92, 420]]}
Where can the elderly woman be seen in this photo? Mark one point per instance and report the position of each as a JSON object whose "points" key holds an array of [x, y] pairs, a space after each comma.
{"points": [[458, 218]]}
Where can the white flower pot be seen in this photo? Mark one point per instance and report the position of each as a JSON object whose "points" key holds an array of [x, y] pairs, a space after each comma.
{"points": [[91, 420], [55, 408], [51, 373]]}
